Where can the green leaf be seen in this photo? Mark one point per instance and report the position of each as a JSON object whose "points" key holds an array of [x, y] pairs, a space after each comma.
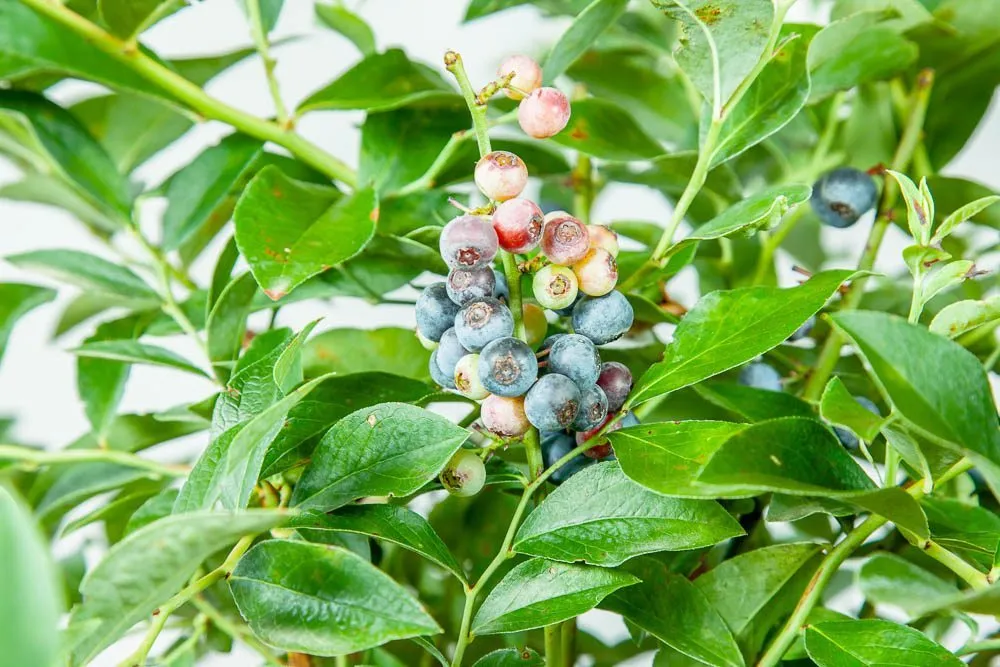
{"points": [[207, 188], [391, 448], [541, 592], [342, 20], [229, 469], [760, 212], [672, 609], [87, 272], [581, 35], [600, 516], [270, 10], [856, 50], [128, 18], [480, 8], [720, 41], [919, 209], [142, 571], [964, 213], [134, 352], [381, 82], [839, 407], [511, 657], [289, 230], [753, 404], [322, 600], [386, 522], [605, 130], [937, 386], [31, 604], [16, 301], [960, 317], [52, 141], [751, 590], [857, 643], [51, 190], [226, 323], [888, 579], [953, 194], [729, 328], [777, 94], [969, 530], [388, 350]]}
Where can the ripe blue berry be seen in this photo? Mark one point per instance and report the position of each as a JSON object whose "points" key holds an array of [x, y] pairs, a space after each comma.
{"points": [[439, 377], [435, 312], [507, 367], [483, 321], [575, 357], [846, 437], [465, 285], [449, 352], [552, 403], [464, 475], [760, 376], [842, 196], [557, 444], [593, 409], [468, 242], [616, 381], [603, 319], [501, 292]]}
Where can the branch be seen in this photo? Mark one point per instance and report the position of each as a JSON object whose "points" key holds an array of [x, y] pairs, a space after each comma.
{"points": [[193, 96], [39, 457], [259, 35]]}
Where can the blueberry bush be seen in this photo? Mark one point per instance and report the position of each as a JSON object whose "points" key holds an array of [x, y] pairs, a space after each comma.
{"points": [[800, 467]]}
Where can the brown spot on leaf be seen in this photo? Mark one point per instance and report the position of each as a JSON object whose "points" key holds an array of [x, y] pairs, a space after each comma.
{"points": [[373, 216], [277, 193], [579, 132], [275, 294], [709, 14], [372, 420]]}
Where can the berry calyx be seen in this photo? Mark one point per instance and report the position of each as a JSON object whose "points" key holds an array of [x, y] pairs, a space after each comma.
{"points": [[464, 475], [468, 242], [555, 287], [504, 416], [565, 240], [501, 175], [597, 272], [543, 113], [525, 73], [518, 224]]}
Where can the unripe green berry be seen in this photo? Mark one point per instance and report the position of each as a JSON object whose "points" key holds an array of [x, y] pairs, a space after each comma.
{"points": [[464, 475], [555, 286], [535, 324], [467, 380]]}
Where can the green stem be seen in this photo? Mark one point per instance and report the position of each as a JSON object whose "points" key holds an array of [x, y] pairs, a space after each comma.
{"points": [[569, 643], [830, 353], [774, 241], [828, 568], [342, 661], [975, 578], [991, 360], [553, 646], [987, 645], [138, 658], [429, 178], [583, 188], [453, 63], [513, 276], [260, 40], [222, 622], [192, 95], [38, 457]]}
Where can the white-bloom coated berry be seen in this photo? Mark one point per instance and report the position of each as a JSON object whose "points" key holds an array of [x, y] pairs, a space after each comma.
{"points": [[501, 175], [527, 75], [543, 113]]}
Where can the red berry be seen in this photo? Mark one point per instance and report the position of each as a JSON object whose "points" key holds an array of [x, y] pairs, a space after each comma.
{"points": [[543, 113], [565, 240], [603, 449], [518, 224], [527, 75], [501, 175]]}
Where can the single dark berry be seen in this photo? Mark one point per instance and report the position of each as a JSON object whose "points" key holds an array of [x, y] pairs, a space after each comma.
{"points": [[464, 475], [507, 367], [842, 196], [552, 403], [449, 352], [501, 292], [760, 376], [576, 357], [440, 378], [593, 409], [504, 416], [435, 312], [468, 242], [465, 285], [557, 444], [603, 319], [616, 381], [483, 321]]}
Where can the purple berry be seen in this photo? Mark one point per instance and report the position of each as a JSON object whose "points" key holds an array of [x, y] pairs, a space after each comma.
{"points": [[468, 242], [552, 403], [435, 312], [482, 321], [603, 319], [616, 381], [507, 367], [465, 285], [576, 357]]}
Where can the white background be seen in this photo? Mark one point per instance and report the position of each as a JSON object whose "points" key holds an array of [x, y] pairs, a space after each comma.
{"points": [[37, 378]]}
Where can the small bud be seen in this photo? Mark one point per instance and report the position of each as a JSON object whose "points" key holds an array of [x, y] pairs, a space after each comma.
{"points": [[543, 113], [501, 175]]}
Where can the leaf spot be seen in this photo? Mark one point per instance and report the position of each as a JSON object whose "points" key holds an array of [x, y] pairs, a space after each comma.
{"points": [[372, 420], [775, 459]]}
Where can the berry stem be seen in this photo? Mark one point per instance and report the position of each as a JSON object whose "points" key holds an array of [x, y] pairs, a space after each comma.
{"points": [[259, 34], [830, 353], [553, 645], [453, 63], [29, 457], [193, 96]]}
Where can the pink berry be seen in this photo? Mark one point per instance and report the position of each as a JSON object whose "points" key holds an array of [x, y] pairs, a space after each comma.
{"points": [[555, 287], [501, 175], [597, 272], [603, 237], [505, 416], [468, 242], [543, 113], [518, 224], [565, 240], [527, 75]]}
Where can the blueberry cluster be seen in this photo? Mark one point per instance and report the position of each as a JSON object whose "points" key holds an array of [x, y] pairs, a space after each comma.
{"points": [[563, 385]]}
